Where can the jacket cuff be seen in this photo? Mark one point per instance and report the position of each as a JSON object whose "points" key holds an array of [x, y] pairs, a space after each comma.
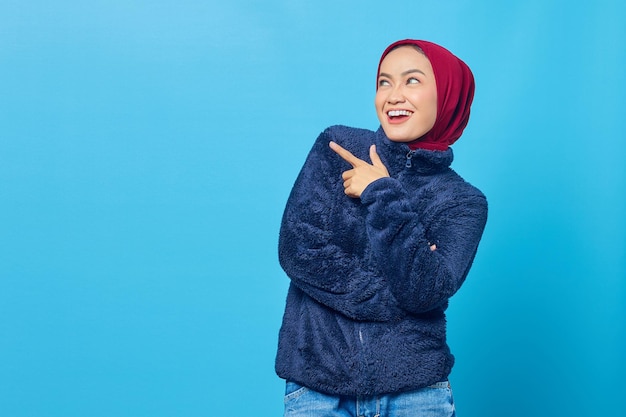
{"points": [[386, 188]]}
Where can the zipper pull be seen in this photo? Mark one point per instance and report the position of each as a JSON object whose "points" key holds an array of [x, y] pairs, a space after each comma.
{"points": [[408, 159]]}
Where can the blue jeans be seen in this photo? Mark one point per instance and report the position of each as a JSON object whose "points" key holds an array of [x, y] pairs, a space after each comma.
{"points": [[433, 401]]}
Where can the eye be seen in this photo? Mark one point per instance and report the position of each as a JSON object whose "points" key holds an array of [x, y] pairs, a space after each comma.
{"points": [[412, 80], [383, 83]]}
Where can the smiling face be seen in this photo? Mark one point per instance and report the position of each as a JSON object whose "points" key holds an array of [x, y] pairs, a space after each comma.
{"points": [[406, 98]]}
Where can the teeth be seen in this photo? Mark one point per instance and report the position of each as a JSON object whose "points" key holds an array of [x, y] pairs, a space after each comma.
{"points": [[394, 113]]}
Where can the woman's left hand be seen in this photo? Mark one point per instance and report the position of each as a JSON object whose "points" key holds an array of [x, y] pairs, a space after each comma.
{"points": [[363, 173]]}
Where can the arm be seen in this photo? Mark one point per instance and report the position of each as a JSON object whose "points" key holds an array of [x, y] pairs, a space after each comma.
{"points": [[316, 245], [425, 256]]}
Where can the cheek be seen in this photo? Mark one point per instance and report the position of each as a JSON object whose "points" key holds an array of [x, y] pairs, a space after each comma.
{"points": [[378, 103]]}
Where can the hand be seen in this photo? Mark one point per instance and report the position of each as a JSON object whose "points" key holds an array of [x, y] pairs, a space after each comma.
{"points": [[362, 174]]}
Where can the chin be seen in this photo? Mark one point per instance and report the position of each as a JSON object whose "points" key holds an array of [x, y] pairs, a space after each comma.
{"points": [[400, 139], [397, 133], [398, 136], [402, 135]]}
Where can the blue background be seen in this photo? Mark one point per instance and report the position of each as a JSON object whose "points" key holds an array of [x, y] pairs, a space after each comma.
{"points": [[147, 149]]}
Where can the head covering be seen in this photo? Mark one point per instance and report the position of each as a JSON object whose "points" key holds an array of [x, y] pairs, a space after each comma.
{"points": [[455, 92]]}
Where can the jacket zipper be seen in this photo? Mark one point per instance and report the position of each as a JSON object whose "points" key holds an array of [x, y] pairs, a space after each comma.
{"points": [[408, 159], [363, 368]]}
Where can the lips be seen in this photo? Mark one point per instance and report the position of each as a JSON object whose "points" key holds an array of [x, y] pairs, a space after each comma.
{"points": [[396, 113], [398, 116]]}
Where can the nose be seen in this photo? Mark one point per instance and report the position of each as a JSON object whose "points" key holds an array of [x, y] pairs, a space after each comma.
{"points": [[395, 95]]}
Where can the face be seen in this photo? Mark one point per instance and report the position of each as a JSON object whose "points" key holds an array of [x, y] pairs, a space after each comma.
{"points": [[406, 99]]}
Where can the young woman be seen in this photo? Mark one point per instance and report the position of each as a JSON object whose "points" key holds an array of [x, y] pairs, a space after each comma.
{"points": [[378, 233]]}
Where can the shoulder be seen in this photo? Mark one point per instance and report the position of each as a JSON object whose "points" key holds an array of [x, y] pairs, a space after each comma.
{"points": [[471, 190], [356, 140], [452, 190], [323, 160], [347, 134]]}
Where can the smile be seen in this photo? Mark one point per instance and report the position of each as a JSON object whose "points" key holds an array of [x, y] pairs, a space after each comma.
{"points": [[396, 113]]}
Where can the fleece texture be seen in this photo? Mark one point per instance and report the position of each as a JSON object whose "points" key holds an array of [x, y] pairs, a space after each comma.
{"points": [[365, 307]]}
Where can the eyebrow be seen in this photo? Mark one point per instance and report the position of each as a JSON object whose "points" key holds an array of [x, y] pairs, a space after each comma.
{"points": [[410, 71]]}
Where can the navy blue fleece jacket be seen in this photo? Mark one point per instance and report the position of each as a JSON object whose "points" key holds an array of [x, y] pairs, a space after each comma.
{"points": [[365, 307]]}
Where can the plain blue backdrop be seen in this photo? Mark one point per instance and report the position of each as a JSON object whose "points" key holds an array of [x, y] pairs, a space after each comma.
{"points": [[147, 149]]}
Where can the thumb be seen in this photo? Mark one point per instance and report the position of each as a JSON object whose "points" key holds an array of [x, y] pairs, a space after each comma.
{"points": [[375, 158]]}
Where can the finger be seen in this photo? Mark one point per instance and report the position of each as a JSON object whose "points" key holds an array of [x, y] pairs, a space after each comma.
{"points": [[376, 161], [345, 154], [347, 190]]}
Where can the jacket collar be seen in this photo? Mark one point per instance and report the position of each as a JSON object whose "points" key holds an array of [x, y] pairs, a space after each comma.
{"points": [[400, 157]]}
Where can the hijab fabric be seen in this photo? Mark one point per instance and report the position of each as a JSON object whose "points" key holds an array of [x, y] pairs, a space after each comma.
{"points": [[455, 92]]}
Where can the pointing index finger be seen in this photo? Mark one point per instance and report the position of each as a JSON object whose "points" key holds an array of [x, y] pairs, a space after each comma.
{"points": [[345, 154]]}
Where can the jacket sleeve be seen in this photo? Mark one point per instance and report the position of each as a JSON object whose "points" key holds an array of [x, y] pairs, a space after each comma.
{"points": [[315, 252], [420, 278]]}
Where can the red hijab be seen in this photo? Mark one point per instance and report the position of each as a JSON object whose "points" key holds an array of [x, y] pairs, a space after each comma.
{"points": [[455, 92]]}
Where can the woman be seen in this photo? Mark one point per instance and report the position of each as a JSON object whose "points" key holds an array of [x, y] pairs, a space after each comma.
{"points": [[378, 233]]}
